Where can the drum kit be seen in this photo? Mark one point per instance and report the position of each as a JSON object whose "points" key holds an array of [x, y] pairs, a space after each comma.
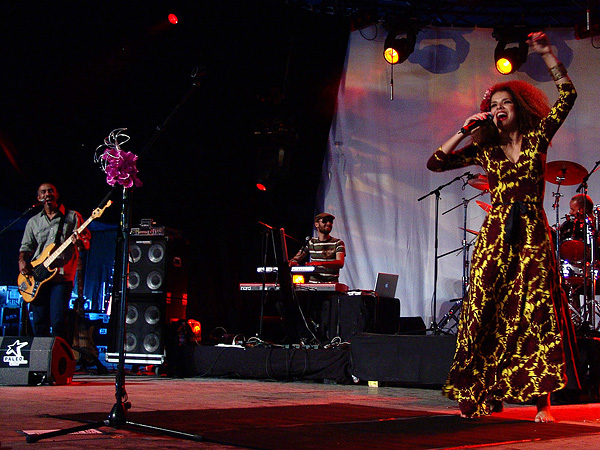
{"points": [[576, 242]]}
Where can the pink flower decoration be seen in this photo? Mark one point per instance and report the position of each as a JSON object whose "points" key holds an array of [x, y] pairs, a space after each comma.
{"points": [[485, 103], [119, 166]]}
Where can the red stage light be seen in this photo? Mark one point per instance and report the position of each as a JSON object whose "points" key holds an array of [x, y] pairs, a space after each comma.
{"points": [[261, 187], [173, 19]]}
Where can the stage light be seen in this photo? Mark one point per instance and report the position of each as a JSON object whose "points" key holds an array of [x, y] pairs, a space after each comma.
{"points": [[397, 50], [508, 60], [261, 187], [173, 19], [195, 328], [298, 279]]}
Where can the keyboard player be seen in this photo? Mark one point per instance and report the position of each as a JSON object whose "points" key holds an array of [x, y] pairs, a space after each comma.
{"points": [[324, 251], [327, 254]]}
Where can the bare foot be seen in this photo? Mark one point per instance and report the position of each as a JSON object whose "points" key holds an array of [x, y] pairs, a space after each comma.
{"points": [[543, 409], [544, 416]]}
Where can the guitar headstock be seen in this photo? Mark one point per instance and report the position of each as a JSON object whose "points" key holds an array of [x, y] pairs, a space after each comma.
{"points": [[98, 211]]}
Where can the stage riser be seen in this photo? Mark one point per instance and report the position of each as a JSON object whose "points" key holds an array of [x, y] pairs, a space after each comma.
{"points": [[421, 360], [267, 363], [411, 360]]}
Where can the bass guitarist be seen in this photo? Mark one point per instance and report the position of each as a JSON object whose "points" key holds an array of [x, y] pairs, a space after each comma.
{"points": [[53, 225]]}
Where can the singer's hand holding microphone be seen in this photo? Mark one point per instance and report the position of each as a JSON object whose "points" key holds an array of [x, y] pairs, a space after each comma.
{"points": [[474, 122]]}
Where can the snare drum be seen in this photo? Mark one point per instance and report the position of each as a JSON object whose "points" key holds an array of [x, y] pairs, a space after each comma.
{"points": [[572, 273]]}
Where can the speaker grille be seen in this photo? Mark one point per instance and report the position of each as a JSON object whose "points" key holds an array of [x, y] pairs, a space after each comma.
{"points": [[147, 266]]}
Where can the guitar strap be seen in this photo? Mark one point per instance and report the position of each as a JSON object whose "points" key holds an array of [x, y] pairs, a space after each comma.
{"points": [[61, 225]]}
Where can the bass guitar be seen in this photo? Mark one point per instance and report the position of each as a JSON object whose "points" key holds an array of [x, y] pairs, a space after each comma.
{"points": [[29, 285]]}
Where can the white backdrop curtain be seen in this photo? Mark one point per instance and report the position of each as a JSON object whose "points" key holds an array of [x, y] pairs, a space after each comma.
{"points": [[375, 170]]}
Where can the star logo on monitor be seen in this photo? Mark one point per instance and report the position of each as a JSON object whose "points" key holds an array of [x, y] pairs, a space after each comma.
{"points": [[15, 348], [13, 356]]}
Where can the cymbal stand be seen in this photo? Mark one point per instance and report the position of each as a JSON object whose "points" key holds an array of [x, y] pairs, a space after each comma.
{"points": [[590, 268], [557, 195], [590, 305], [466, 245], [434, 326]]}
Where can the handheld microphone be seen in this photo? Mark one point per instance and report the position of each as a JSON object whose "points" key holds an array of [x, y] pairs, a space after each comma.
{"points": [[475, 124]]}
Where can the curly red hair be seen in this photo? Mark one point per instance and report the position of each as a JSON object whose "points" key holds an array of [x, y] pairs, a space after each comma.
{"points": [[531, 106]]}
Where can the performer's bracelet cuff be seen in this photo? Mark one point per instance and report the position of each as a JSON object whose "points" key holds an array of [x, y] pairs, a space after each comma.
{"points": [[557, 72]]}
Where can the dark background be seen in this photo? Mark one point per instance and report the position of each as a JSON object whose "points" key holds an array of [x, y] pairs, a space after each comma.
{"points": [[71, 72]]}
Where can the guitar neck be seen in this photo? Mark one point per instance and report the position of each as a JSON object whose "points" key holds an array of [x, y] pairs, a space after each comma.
{"points": [[95, 214]]}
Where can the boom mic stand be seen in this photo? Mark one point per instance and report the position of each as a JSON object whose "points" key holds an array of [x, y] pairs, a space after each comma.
{"points": [[434, 326], [27, 211], [118, 414]]}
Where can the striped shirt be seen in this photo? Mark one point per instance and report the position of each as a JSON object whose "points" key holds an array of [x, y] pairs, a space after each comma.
{"points": [[323, 251]]}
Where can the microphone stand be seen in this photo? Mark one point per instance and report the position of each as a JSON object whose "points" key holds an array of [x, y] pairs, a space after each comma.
{"points": [[27, 211], [118, 414], [434, 326], [263, 291]]}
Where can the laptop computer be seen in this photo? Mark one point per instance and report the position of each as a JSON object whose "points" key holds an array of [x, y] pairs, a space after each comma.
{"points": [[385, 285]]}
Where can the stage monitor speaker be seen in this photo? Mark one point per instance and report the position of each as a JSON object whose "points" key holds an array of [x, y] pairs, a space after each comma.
{"points": [[35, 360], [157, 265]]}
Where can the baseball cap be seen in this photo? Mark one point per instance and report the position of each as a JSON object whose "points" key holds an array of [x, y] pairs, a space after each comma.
{"points": [[323, 215]]}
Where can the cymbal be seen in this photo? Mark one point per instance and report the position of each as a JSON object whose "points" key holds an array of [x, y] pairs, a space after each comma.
{"points": [[485, 206], [572, 173], [476, 233], [481, 182]]}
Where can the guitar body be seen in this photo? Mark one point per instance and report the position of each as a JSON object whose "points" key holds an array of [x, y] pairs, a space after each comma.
{"points": [[29, 285]]}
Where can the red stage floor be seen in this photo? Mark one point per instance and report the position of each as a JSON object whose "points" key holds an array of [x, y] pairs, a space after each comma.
{"points": [[280, 415]]}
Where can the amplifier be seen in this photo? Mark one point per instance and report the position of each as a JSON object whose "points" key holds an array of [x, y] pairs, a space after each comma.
{"points": [[10, 297]]}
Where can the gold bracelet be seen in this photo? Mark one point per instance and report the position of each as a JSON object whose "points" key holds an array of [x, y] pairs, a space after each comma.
{"points": [[439, 149], [557, 72]]}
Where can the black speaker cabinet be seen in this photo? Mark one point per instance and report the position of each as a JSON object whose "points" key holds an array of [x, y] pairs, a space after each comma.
{"points": [[157, 294], [30, 361], [157, 265], [145, 325]]}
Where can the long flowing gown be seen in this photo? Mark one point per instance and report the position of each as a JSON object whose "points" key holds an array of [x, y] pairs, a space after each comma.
{"points": [[509, 345]]}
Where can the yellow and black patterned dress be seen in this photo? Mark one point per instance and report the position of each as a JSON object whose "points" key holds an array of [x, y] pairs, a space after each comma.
{"points": [[509, 345]]}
